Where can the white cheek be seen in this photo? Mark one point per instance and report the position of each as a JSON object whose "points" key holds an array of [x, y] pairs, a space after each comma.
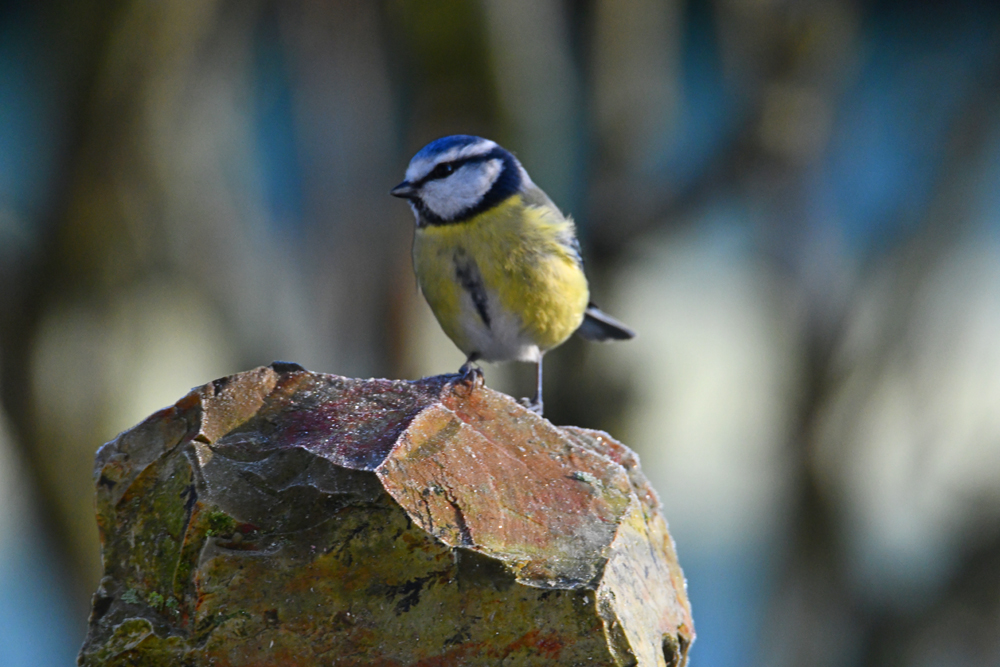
{"points": [[449, 197]]}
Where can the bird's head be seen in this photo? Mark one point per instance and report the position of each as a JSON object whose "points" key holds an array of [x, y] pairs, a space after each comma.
{"points": [[455, 178]]}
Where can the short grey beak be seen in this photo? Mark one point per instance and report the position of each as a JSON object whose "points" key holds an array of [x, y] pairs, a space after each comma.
{"points": [[404, 190]]}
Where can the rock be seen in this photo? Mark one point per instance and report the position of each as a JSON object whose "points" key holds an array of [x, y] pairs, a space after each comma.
{"points": [[282, 517]]}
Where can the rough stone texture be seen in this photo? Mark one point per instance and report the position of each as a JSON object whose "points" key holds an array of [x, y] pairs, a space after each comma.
{"points": [[282, 517]]}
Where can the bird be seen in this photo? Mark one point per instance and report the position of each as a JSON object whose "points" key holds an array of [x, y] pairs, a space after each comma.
{"points": [[497, 261]]}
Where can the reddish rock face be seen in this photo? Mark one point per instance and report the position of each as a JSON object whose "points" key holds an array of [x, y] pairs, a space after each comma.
{"points": [[282, 517]]}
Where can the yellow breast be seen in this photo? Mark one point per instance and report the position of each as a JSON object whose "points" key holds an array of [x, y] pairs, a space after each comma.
{"points": [[536, 290]]}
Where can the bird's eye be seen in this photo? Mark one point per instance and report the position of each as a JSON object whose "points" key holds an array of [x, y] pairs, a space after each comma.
{"points": [[443, 170]]}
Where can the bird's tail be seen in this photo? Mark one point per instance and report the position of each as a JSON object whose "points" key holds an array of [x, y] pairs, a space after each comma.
{"points": [[600, 326]]}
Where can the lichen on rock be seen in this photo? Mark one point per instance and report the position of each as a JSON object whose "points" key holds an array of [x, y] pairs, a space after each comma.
{"points": [[283, 517]]}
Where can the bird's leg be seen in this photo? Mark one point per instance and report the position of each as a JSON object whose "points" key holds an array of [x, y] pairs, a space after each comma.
{"points": [[536, 404]]}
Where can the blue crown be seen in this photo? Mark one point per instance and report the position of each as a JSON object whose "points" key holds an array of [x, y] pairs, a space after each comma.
{"points": [[446, 143]]}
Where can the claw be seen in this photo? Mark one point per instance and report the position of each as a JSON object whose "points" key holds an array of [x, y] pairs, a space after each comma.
{"points": [[534, 405], [471, 374]]}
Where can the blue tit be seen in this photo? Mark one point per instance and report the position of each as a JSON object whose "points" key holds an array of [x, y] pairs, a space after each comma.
{"points": [[496, 260]]}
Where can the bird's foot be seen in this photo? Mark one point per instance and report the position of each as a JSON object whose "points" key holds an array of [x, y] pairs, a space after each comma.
{"points": [[468, 379], [469, 373], [533, 404]]}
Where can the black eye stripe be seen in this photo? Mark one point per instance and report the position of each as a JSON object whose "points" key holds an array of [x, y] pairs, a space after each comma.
{"points": [[442, 170], [447, 168]]}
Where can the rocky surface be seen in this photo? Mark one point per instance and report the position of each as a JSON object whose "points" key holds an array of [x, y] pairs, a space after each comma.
{"points": [[283, 517]]}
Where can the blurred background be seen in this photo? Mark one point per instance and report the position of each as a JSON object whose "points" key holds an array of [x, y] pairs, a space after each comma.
{"points": [[797, 204]]}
